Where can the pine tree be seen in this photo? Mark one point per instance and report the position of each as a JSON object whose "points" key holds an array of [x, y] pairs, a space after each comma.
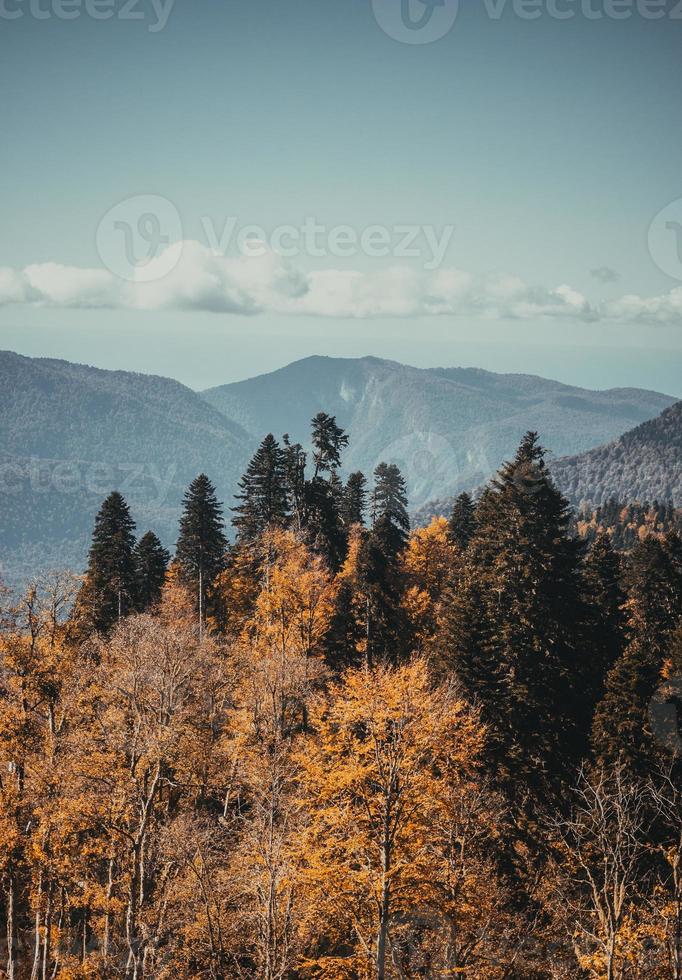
{"points": [[109, 590], [462, 521], [151, 565], [517, 630], [294, 469], [324, 531], [200, 551], [264, 498], [387, 637], [390, 520], [606, 599], [354, 502], [622, 730], [328, 440]]}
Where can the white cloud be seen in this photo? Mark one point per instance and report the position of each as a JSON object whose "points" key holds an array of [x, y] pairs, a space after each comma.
{"points": [[661, 310], [200, 279]]}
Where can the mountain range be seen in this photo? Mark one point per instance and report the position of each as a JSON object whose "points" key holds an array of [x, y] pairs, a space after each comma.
{"points": [[70, 433], [644, 464]]}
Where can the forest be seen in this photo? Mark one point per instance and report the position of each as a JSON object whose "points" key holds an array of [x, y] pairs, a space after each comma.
{"points": [[335, 747]]}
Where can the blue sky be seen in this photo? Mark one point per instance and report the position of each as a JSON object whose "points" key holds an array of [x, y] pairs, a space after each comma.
{"points": [[549, 146]]}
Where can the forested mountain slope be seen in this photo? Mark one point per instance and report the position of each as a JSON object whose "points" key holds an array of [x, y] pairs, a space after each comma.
{"points": [[70, 433], [643, 464], [447, 429]]}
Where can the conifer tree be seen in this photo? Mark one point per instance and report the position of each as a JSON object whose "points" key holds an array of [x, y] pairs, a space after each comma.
{"points": [[200, 551], [109, 590], [516, 633], [606, 599], [329, 440], [151, 565], [391, 523], [324, 497], [263, 493], [462, 521], [386, 621], [622, 731], [294, 469], [324, 531], [354, 503]]}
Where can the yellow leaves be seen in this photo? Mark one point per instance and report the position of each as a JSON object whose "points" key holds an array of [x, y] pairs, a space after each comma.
{"points": [[374, 778], [428, 562]]}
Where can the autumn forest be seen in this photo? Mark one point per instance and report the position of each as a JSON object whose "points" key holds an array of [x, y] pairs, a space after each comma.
{"points": [[324, 746]]}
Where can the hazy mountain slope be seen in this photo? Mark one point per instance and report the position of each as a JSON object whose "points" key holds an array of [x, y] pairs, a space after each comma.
{"points": [[643, 464], [447, 428], [70, 433]]}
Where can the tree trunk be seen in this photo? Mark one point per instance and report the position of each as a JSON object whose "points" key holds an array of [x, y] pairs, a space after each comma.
{"points": [[10, 928], [384, 907]]}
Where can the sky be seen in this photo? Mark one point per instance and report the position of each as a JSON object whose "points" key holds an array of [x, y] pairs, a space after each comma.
{"points": [[210, 189]]}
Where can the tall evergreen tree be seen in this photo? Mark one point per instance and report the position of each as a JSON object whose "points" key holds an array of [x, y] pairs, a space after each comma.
{"points": [[294, 470], [324, 531], [354, 503], [622, 731], [462, 521], [109, 591], [329, 440], [391, 522], [324, 497], [606, 600], [200, 551], [264, 500], [151, 565], [517, 633]]}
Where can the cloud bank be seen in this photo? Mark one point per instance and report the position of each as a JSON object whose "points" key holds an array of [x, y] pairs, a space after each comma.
{"points": [[201, 280]]}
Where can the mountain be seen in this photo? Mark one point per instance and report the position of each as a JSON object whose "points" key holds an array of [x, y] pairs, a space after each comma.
{"points": [[447, 428], [644, 464], [69, 434]]}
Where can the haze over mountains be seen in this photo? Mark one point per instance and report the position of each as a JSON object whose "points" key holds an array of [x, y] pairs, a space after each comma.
{"points": [[71, 433], [447, 429], [644, 464]]}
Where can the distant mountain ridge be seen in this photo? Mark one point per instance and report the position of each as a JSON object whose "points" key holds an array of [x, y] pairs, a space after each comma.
{"points": [[644, 464], [447, 428], [70, 433]]}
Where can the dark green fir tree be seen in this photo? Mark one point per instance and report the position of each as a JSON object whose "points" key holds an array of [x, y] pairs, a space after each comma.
{"points": [[151, 565], [263, 497], [462, 521], [354, 503], [517, 634], [200, 551], [109, 590]]}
